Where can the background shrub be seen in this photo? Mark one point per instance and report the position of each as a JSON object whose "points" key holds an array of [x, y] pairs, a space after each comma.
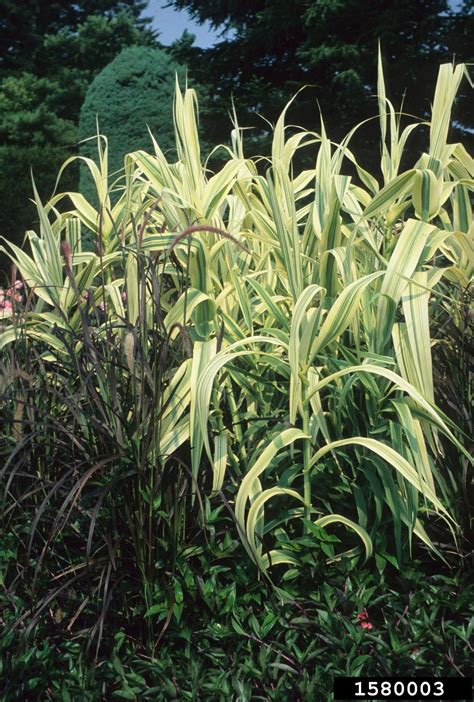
{"points": [[133, 92]]}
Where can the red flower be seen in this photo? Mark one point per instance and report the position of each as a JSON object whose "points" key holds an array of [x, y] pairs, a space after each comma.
{"points": [[363, 618]]}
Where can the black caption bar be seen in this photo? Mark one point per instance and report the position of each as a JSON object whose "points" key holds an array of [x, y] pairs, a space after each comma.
{"points": [[415, 689]]}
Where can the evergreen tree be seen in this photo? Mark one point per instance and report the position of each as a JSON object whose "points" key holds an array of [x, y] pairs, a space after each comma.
{"points": [[133, 93], [50, 52], [26, 25], [275, 47]]}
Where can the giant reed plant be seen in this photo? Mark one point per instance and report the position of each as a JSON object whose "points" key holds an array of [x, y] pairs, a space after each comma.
{"points": [[274, 348]]}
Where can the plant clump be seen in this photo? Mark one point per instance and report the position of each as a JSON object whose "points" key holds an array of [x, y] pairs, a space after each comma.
{"points": [[243, 365]]}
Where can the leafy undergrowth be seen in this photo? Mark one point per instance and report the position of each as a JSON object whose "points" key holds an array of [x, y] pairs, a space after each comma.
{"points": [[223, 635]]}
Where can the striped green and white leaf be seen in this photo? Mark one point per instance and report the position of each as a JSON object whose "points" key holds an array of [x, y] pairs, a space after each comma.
{"points": [[405, 259]]}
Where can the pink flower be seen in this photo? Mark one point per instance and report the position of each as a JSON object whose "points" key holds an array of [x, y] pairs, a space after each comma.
{"points": [[124, 295], [6, 308], [363, 618]]}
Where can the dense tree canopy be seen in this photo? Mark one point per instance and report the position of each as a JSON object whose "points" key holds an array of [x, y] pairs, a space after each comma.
{"points": [[25, 27], [50, 52], [274, 47]]}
